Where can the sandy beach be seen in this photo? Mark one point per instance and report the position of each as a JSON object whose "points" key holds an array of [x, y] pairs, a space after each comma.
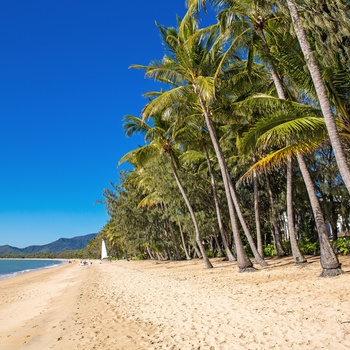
{"points": [[176, 305]]}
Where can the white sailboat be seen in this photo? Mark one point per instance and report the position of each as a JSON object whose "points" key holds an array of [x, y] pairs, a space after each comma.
{"points": [[104, 254]]}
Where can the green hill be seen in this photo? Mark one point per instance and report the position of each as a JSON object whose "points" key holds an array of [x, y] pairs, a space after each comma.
{"points": [[61, 245], [7, 249]]}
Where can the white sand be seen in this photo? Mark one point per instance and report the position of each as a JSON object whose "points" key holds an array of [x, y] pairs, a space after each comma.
{"points": [[176, 305]]}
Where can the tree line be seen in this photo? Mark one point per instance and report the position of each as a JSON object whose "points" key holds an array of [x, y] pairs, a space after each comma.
{"points": [[246, 149]]}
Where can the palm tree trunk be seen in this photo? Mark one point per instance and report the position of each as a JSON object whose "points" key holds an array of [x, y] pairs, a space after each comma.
{"points": [[207, 262], [197, 251], [159, 257], [218, 246], [230, 241], [276, 231], [173, 236], [321, 94], [298, 257], [275, 77], [258, 258], [257, 215], [188, 257], [229, 254], [329, 261], [149, 252], [243, 262]]}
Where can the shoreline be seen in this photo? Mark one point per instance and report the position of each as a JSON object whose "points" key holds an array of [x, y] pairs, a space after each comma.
{"points": [[176, 305], [20, 272]]}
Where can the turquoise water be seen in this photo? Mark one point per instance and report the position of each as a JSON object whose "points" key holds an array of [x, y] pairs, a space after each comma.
{"points": [[12, 267]]}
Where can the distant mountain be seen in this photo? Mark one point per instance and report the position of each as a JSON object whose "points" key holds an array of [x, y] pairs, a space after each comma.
{"points": [[61, 245], [7, 249]]}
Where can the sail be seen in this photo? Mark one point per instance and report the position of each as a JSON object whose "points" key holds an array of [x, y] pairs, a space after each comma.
{"points": [[104, 251]]}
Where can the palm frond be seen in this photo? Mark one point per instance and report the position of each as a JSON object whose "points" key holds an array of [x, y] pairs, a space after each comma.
{"points": [[134, 125], [166, 71], [275, 159], [264, 103], [205, 87], [192, 156], [142, 155], [279, 130], [164, 100], [150, 200], [228, 53]]}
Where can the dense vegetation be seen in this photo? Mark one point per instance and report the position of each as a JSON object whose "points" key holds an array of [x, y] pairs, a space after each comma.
{"points": [[68, 254], [246, 141]]}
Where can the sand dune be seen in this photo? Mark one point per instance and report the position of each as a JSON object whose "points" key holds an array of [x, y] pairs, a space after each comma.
{"points": [[176, 305]]}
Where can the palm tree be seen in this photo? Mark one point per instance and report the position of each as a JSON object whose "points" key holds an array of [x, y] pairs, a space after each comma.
{"points": [[162, 138], [194, 67], [258, 13], [298, 257], [254, 15], [197, 149]]}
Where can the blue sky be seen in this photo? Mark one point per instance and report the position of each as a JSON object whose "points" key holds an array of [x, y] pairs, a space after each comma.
{"points": [[64, 89]]}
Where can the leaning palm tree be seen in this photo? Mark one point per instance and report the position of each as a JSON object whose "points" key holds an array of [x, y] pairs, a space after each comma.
{"points": [[259, 22], [161, 139], [256, 14], [253, 15], [197, 150], [195, 66]]}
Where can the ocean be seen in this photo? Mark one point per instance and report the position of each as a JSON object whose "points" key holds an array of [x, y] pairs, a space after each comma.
{"points": [[12, 267]]}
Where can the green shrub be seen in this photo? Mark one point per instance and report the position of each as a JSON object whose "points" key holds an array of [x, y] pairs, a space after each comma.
{"points": [[139, 257], [270, 250], [210, 254], [342, 246], [309, 248]]}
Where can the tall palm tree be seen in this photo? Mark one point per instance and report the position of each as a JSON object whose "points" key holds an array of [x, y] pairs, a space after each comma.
{"points": [[254, 14], [161, 138], [197, 150], [258, 13], [194, 66]]}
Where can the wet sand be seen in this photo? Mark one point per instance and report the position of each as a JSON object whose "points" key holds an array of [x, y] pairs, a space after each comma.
{"points": [[176, 305]]}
